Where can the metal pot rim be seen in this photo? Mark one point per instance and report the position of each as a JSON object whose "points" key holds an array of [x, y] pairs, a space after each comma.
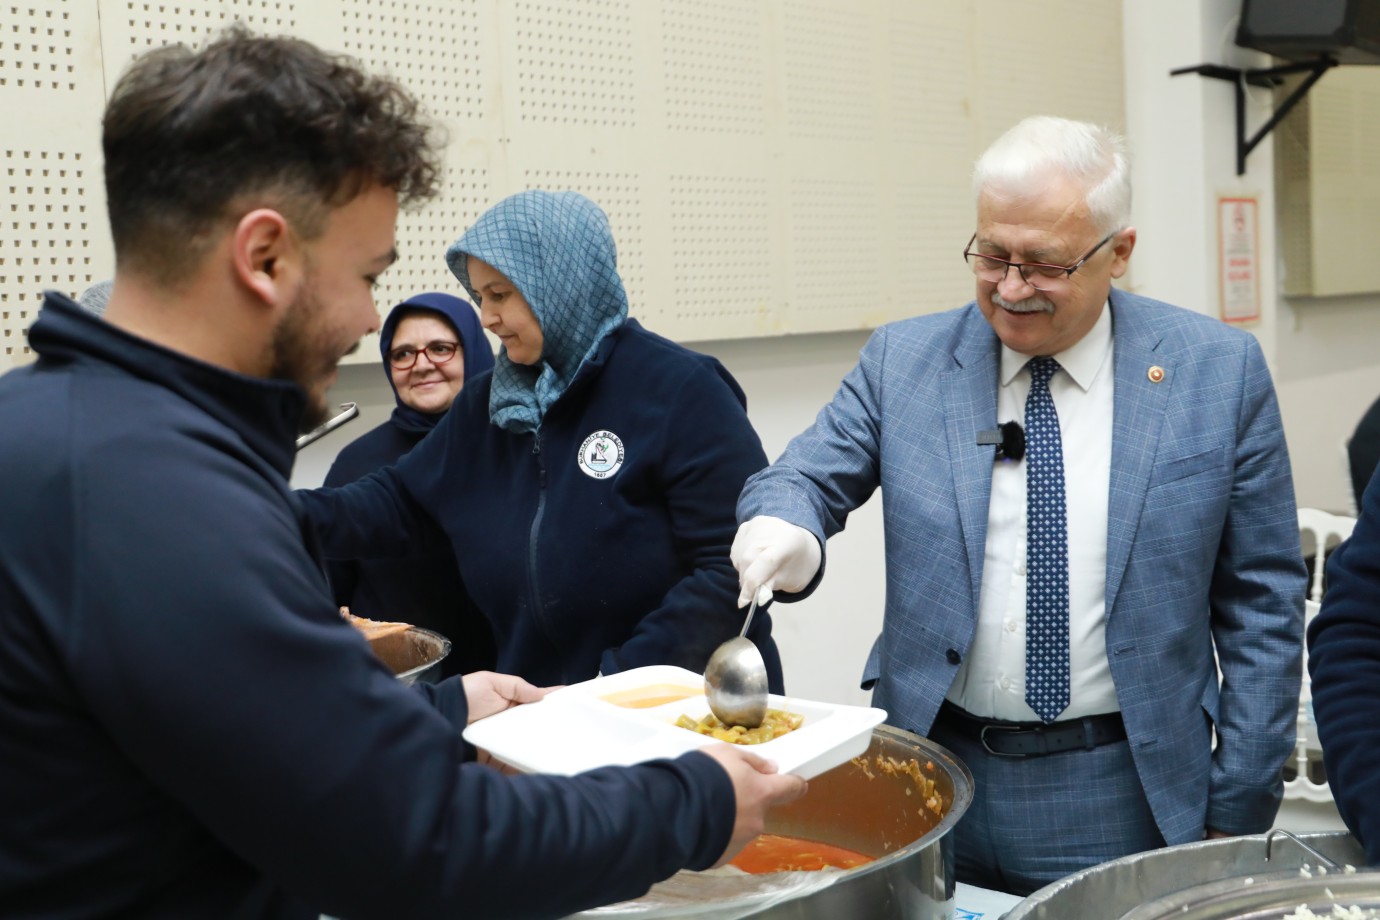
{"points": [[412, 675], [1130, 882], [963, 797], [1284, 892], [884, 876]]}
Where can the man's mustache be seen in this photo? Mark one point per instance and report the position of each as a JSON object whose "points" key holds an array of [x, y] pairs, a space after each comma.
{"points": [[1032, 304]]}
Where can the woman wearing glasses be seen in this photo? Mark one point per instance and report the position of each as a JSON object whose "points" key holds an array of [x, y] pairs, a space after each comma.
{"points": [[588, 484], [432, 346]]}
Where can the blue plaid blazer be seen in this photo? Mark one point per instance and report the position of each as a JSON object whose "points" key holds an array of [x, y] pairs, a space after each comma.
{"points": [[1202, 547]]}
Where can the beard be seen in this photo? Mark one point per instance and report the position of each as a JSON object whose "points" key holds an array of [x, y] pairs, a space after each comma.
{"points": [[303, 355]]}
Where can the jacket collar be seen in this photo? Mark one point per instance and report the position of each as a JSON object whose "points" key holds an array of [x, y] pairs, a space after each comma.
{"points": [[264, 413]]}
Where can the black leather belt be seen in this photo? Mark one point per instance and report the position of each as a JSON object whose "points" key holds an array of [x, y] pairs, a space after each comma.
{"points": [[1034, 739]]}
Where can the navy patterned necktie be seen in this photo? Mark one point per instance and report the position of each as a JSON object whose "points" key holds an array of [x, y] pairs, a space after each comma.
{"points": [[1047, 551]]}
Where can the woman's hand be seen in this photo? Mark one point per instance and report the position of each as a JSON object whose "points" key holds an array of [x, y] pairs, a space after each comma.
{"points": [[487, 693]]}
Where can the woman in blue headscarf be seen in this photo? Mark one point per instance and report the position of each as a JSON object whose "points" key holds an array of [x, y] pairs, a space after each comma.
{"points": [[432, 346], [588, 485]]}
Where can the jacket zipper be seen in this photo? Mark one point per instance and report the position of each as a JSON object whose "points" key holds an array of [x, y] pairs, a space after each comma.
{"points": [[534, 588]]}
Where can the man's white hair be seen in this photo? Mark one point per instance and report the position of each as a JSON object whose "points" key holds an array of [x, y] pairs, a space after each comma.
{"points": [[1041, 146]]}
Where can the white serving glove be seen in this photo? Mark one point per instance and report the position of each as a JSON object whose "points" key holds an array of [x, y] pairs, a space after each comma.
{"points": [[775, 555]]}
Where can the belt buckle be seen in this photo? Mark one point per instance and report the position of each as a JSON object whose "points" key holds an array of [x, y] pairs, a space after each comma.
{"points": [[982, 738]]}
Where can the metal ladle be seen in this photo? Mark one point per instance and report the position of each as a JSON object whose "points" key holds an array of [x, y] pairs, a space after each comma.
{"points": [[348, 411], [735, 680]]}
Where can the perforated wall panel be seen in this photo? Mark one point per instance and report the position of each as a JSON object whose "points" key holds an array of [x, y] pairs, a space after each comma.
{"points": [[37, 48], [1329, 192], [929, 108], [828, 67], [575, 62], [189, 22], [435, 48], [714, 66], [45, 237], [52, 207], [1055, 57], [1294, 199], [721, 251], [768, 166]]}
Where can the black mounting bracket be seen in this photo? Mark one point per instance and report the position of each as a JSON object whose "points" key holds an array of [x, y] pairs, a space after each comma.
{"points": [[1268, 77]]}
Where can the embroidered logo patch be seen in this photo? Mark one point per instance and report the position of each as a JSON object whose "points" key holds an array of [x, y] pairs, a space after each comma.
{"points": [[601, 455]]}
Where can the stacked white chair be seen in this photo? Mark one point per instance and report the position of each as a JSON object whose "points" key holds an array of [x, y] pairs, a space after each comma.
{"points": [[1320, 531]]}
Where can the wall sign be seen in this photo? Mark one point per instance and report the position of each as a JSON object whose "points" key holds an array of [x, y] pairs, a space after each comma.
{"points": [[1238, 258]]}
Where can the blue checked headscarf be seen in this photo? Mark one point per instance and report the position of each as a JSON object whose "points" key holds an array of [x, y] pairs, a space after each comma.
{"points": [[557, 250]]}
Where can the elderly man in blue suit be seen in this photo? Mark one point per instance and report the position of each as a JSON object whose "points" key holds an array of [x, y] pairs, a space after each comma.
{"points": [[1074, 547]]}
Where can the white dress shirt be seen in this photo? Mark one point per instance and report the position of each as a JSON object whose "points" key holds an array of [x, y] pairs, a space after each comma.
{"points": [[991, 681]]}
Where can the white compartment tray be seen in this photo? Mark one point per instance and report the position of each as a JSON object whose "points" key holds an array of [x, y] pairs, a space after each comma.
{"points": [[574, 729]]}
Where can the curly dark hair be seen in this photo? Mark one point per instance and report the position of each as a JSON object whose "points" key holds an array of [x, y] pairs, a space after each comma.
{"points": [[189, 135]]}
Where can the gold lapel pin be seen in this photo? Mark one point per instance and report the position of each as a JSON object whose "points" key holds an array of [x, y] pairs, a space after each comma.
{"points": [[1156, 374]]}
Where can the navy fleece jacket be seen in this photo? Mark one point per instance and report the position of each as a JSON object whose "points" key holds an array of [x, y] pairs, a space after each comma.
{"points": [[1344, 665], [189, 729]]}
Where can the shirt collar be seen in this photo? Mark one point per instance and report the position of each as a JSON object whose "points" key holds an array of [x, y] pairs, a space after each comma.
{"points": [[1081, 360]]}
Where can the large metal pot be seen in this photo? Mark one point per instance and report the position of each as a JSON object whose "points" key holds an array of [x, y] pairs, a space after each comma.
{"points": [[866, 805], [1276, 897], [1115, 889]]}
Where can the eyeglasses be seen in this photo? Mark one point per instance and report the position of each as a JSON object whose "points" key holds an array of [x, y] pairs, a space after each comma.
{"points": [[992, 269], [405, 356]]}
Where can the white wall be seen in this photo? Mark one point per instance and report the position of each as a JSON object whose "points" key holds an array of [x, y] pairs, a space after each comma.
{"points": [[1327, 374]]}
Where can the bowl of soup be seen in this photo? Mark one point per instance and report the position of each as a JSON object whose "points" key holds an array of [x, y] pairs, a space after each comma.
{"points": [[410, 652]]}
